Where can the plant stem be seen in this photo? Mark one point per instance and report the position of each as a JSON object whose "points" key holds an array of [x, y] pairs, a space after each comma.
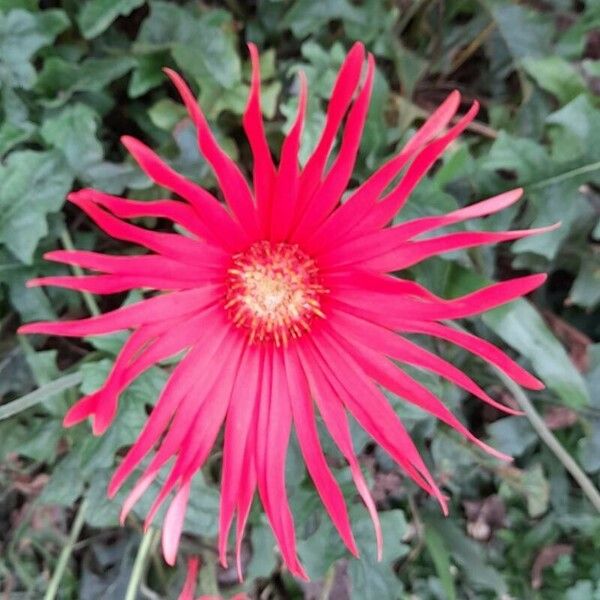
{"points": [[67, 242], [63, 559], [139, 566], [584, 482], [563, 176], [328, 582], [42, 393], [208, 572]]}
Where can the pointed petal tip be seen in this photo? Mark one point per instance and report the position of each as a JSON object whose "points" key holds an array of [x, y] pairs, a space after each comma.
{"points": [[35, 327], [77, 196], [252, 50], [358, 48], [535, 384], [454, 96], [70, 421], [99, 427], [52, 254], [173, 75], [132, 144]]}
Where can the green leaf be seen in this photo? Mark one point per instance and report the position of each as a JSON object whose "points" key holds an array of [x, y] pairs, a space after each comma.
{"points": [[525, 32], [441, 560], [469, 555], [210, 53], [95, 16], [371, 579], [556, 76], [147, 74], [166, 25], [73, 132], [512, 435], [32, 184], [22, 34], [60, 79], [306, 16], [12, 134]]}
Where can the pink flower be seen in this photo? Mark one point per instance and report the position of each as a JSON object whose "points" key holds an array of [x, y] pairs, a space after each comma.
{"points": [[283, 303]]}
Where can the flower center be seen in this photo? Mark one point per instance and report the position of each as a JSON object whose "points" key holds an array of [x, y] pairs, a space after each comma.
{"points": [[273, 290]]}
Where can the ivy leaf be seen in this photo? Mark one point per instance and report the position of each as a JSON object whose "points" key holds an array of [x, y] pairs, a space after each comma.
{"points": [[22, 34], [371, 579], [32, 184], [95, 16], [60, 79], [209, 53], [305, 16], [73, 131], [557, 76], [525, 32]]}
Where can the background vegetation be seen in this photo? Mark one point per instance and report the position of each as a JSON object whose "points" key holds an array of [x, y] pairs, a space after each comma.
{"points": [[76, 75]]}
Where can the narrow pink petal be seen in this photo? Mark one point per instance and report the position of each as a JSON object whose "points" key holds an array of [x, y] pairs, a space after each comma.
{"points": [[344, 88], [391, 311], [179, 337], [388, 238], [202, 430], [240, 418], [208, 391], [435, 123], [310, 446], [284, 201], [334, 416], [173, 525], [263, 173], [273, 431], [115, 284], [381, 370], [379, 283], [411, 253], [246, 495], [136, 493], [416, 227], [339, 224], [187, 593], [336, 180], [140, 264], [223, 229], [205, 385], [395, 200], [175, 304], [175, 211], [231, 181], [477, 346], [396, 347], [171, 245], [187, 373], [374, 413], [91, 405]]}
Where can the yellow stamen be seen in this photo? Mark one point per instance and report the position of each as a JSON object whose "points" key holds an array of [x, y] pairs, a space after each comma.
{"points": [[274, 291]]}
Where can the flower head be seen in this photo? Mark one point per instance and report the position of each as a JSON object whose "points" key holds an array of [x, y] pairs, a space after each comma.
{"points": [[282, 301]]}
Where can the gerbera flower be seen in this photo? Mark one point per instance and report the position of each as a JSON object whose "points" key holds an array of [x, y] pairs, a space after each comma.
{"points": [[284, 306]]}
